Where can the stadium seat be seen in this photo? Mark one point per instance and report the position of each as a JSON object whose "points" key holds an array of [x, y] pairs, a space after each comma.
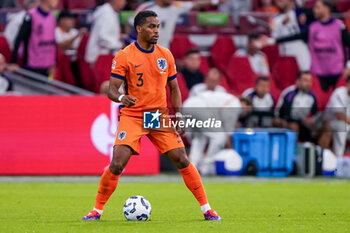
{"points": [[285, 72], [274, 90], [81, 4], [63, 68], [85, 71], [225, 84], [183, 87], [240, 74], [221, 52], [205, 65], [5, 48], [343, 6], [180, 44], [102, 70], [272, 54], [322, 96]]}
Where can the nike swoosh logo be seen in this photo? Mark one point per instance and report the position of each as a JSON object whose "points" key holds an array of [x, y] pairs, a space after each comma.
{"points": [[197, 188], [138, 65], [179, 141]]}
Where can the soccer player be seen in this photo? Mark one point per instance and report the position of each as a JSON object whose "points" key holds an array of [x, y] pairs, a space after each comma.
{"points": [[145, 68]]}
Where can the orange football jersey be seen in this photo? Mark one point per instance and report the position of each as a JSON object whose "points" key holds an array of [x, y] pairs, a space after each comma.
{"points": [[145, 74]]}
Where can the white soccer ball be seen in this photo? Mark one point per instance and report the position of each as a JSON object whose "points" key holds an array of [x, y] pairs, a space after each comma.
{"points": [[137, 208]]}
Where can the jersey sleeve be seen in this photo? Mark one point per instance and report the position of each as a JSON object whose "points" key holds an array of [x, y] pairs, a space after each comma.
{"points": [[172, 68], [119, 65]]}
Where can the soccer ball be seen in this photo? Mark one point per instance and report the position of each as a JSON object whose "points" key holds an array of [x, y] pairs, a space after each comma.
{"points": [[137, 208]]}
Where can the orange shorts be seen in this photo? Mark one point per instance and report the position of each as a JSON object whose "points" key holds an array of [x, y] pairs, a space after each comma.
{"points": [[130, 130]]}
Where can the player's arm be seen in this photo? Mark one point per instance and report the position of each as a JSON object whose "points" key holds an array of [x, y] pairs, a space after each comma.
{"points": [[118, 75], [175, 95], [175, 99], [114, 95]]}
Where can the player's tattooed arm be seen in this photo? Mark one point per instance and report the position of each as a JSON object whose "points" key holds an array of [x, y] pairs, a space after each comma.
{"points": [[114, 95]]}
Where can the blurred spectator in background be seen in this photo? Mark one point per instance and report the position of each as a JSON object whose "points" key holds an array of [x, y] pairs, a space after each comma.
{"points": [[235, 8], [288, 23], [338, 109], [5, 82], [211, 83], [67, 36], [257, 59], [8, 4], [131, 5], [38, 34], [262, 102], [326, 38], [246, 111], [297, 107], [191, 71], [105, 32], [168, 11], [267, 6], [211, 105], [15, 21]]}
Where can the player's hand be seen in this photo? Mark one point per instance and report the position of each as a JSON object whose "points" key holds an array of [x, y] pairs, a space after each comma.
{"points": [[12, 67], [180, 130], [129, 101]]}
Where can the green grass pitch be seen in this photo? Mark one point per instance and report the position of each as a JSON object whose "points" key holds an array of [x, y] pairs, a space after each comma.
{"points": [[313, 206]]}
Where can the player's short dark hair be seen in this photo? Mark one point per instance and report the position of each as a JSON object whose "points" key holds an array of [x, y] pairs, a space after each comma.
{"points": [[246, 100], [262, 78], [141, 17], [328, 4], [192, 51], [301, 73], [253, 36]]}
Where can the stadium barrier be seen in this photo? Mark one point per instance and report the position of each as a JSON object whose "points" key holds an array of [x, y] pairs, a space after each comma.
{"points": [[63, 135]]}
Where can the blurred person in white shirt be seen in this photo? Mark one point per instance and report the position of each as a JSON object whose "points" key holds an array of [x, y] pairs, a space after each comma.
{"points": [[288, 23], [5, 82], [211, 83], [105, 35], [235, 8], [338, 111], [257, 59], [67, 36], [15, 21], [215, 105]]}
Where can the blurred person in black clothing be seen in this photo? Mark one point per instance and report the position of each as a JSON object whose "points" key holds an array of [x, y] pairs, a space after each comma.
{"points": [[191, 71]]}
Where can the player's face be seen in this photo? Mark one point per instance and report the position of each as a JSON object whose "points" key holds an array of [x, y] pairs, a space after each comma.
{"points": [[212, 80], [319, 10], [52, 3], [262, 88], [193, 61], [282, 4], [67, 23], [305, 82], [149, 31]]}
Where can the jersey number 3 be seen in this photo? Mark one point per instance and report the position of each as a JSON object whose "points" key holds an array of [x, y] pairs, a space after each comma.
{"points": [[140, 84]]}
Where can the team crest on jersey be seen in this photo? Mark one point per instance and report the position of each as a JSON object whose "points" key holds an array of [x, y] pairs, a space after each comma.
{"points": [[161, 62], [122, 135]]}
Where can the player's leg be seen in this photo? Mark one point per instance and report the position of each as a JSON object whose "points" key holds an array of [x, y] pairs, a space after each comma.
{"points": [[192, 180], [109, 180], [198, 144]]}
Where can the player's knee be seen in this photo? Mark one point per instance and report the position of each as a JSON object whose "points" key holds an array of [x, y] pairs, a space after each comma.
{"points": [[183, 162], [116, 167]]}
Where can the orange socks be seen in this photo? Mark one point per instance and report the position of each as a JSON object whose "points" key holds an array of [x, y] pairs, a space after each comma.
{"points": [[108, 184], [194, 183]]}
